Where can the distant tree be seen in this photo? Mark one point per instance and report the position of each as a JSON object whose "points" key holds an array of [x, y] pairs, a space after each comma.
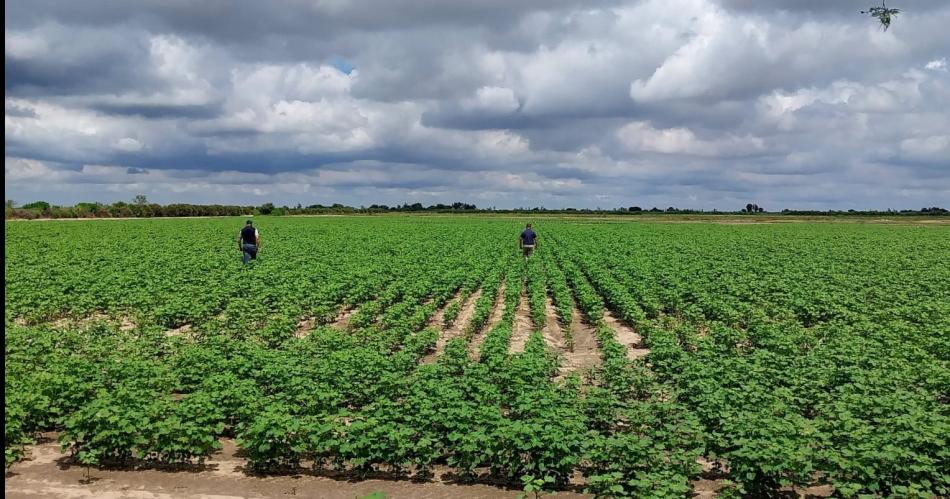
{"points": [[41, 206], [11, 203], [671, 209], [636, 208], [655, 210], [266, 208], [140, 200], [759, 209]]}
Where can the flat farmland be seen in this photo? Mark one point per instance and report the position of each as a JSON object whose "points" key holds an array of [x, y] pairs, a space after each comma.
{"points": [[424, 356]]}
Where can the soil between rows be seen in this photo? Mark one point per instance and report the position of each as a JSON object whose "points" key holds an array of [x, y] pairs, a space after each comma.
{"points": [[586, 352], [497, 312], [626, 336], [522, 327], [457, 328], [48, 473]]}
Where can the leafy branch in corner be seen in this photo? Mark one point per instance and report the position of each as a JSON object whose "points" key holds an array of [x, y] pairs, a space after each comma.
{"points": [[883, 14]]}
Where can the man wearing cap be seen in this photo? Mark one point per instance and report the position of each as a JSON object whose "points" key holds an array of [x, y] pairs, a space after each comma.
{"points": [[249, 241]]}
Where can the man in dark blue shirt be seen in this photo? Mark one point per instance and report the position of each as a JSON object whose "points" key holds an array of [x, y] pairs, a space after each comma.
{"points": [[249, 241], [528, 241]]}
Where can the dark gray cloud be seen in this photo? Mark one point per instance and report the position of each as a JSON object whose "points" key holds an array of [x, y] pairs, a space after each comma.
{"points": [[704, 103], [836, 8]]}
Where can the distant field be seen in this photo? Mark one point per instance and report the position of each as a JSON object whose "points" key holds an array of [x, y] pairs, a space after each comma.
{"points": [[627, 357]]}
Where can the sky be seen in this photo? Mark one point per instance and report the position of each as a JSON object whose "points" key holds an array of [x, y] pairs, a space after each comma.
{"points": [[707, 104]]}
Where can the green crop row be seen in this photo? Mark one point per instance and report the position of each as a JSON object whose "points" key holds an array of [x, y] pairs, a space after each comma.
{"points": [[787, 356]]}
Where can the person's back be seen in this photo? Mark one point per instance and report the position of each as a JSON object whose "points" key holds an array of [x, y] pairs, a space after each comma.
{"points": [[528, 241], [249, 242], [249, 235]]}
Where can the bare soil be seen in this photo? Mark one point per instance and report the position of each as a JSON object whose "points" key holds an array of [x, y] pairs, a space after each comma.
{"points": [[498, 310], [552, 333], [48, 474], [178, 331], [73, 322], [627, 336], [305, 326], [522, 327], [439, 316], [342, 320], [457, 328], [585, 353]]}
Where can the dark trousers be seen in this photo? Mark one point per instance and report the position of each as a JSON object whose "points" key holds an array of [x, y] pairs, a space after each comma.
{"points": [[250, 252]]}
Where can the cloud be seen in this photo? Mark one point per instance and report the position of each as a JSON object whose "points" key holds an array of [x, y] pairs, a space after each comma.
{"points": [[937, 65], [640, 136], [706, 103], [492, 100]]}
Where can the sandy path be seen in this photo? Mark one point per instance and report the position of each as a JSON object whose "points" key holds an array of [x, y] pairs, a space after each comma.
{"points": [[552, 333], [439, 316], [498, 310], [305, 326], [47, 475], [342, 320], [178, 331], [586, 353], [522, 327], [626, 336], [456, 329]]}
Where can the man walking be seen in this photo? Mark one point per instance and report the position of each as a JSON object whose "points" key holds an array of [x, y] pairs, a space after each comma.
{"points": [[249, 241], [528, 241]]}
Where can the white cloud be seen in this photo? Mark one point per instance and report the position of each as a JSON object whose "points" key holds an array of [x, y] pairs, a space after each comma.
{"points": [[24, 45], [560, 101], [935, 146], [937, 65], [492, 100], [641, 137], [128, 144]]}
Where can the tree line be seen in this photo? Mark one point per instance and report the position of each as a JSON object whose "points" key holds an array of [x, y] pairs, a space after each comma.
{"points": [[140, 207]]}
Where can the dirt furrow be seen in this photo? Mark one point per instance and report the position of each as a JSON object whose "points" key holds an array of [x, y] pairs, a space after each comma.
{"points": [[456, 329], [436, 320], [585, 353], [552, 333], [178, 331], [522, 327], [342, 320], [498, 310], [626, 336], [305, 326], [47, 474]]}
